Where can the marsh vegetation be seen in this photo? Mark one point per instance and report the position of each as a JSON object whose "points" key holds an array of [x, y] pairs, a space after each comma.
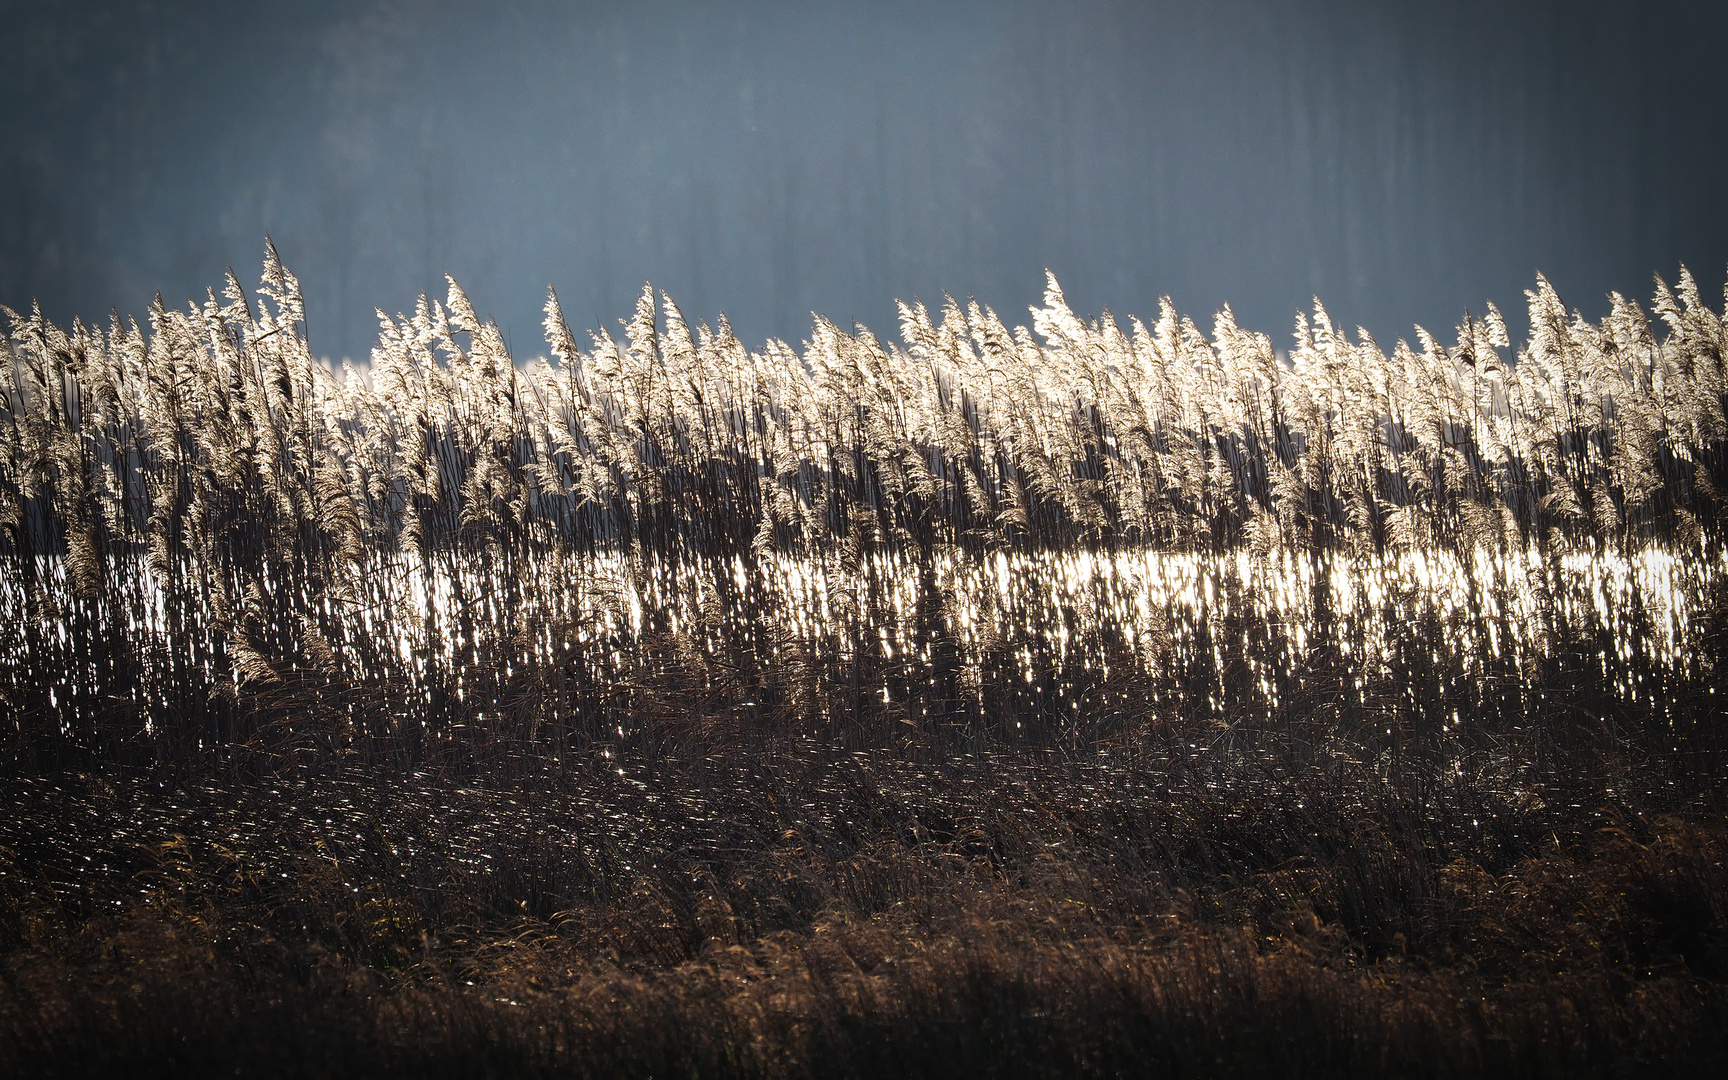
{"points": [[1081, 698]]}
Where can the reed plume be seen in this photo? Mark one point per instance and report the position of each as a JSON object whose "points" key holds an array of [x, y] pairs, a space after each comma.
{"points": [[214, 539]]}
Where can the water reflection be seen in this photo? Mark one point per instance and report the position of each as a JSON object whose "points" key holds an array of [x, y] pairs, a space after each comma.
{"points": [[1054, 639]]}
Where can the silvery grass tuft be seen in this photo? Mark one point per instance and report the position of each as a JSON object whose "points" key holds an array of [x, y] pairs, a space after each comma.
{"points": [[212, 539]]}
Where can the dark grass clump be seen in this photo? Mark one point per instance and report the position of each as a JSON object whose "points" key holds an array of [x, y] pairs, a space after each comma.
{"points": [[787, 909]]}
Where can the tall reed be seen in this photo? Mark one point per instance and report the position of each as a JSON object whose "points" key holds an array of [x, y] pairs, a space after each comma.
{"points": [[213, 541]]}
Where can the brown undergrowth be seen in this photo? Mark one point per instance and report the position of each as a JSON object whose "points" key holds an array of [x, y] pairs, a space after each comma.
{"points": [[798, 911]]}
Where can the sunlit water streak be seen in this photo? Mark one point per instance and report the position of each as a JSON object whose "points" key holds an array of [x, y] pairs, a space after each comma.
{"points": [[1054, 640]]}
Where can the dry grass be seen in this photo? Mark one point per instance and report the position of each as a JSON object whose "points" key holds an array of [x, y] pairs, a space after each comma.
{"points": [[210, 542], [682, 711], [788, 911]]}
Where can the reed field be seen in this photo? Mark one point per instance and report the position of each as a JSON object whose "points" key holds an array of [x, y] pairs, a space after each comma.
{"points": [[1093, 698]]}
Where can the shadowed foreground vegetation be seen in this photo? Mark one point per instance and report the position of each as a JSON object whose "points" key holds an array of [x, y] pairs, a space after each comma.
{"points": [[794, 910]]}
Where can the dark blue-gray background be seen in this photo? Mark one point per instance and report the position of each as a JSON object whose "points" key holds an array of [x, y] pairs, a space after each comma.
{"points": [[1402, 161]]}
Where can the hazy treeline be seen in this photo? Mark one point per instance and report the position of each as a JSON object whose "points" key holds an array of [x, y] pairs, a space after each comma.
{"points": [[209, 534], [772, 158]]}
